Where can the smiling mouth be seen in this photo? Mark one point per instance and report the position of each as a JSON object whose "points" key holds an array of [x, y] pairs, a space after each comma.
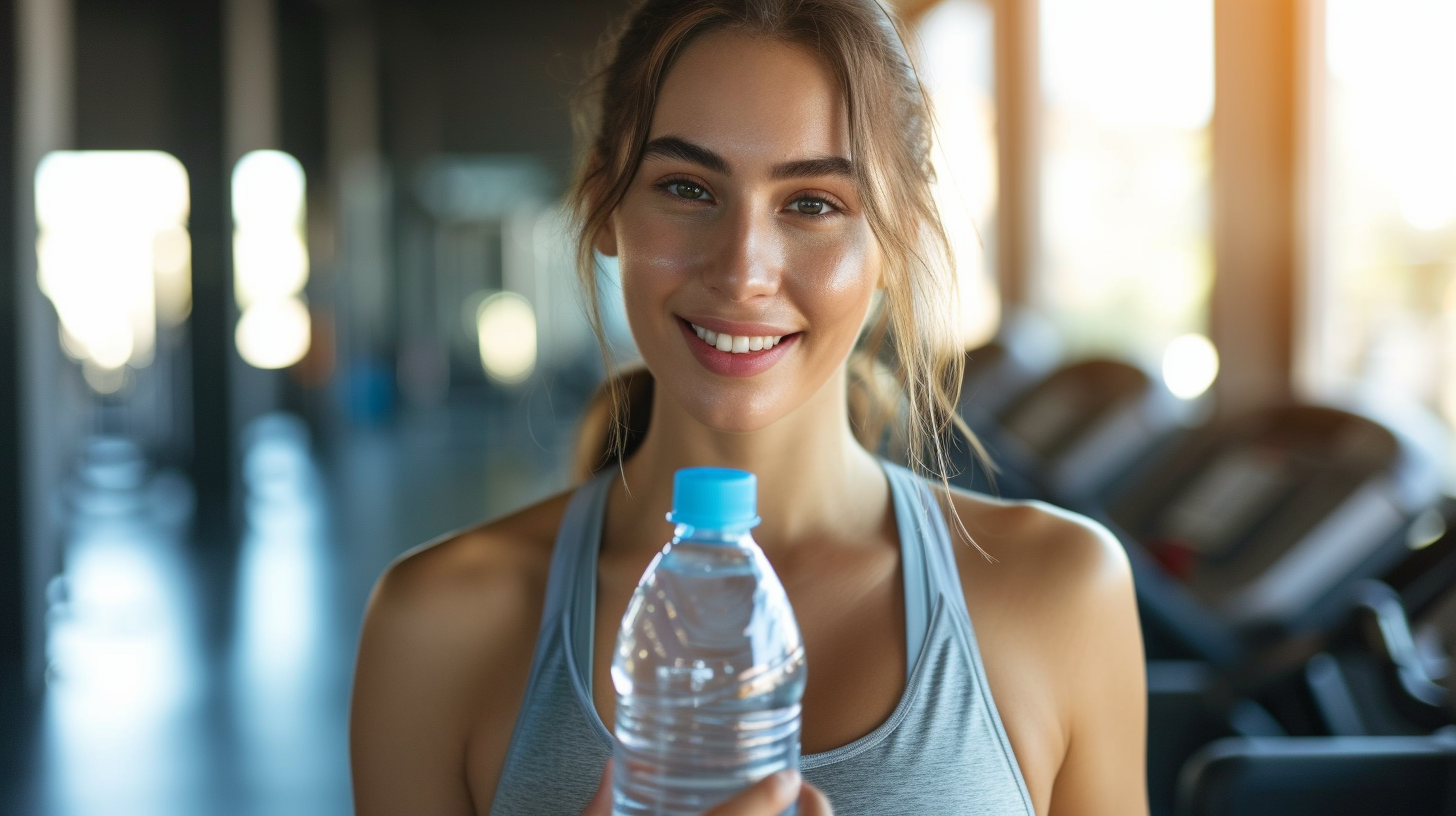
{"points": [[736, 344]]}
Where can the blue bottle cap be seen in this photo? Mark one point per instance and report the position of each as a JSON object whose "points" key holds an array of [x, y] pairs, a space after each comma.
{"points": [[714, 498]]}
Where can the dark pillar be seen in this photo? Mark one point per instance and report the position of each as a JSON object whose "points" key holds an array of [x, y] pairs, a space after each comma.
{"points": [[195, 37], [12, 561], [302, 117]]}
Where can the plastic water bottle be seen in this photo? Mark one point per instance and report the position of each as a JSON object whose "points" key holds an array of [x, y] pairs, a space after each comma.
{"points": [[709, 666]]}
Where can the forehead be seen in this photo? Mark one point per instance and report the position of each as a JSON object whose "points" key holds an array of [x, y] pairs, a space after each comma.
{"points": [[752, 100]]}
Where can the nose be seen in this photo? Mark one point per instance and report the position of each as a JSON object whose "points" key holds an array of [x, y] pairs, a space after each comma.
{"points": [[749, 261]]}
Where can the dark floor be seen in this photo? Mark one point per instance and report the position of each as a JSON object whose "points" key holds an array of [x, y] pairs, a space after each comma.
{"points": [[178, 688]]}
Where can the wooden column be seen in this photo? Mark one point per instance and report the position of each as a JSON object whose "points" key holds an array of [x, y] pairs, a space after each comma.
{"points": [[1018, 137], [1254, 200]]}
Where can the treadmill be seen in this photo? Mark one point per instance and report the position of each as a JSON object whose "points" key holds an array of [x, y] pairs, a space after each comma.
{"points": [[1383, 696], [1395, 671], [1249, 531], [1067, 435]]}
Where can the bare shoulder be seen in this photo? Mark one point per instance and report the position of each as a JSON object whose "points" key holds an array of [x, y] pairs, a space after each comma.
{"points": [[489, 566], [443, 662], [1043, 554], [1055, 615], [1049, 588]]}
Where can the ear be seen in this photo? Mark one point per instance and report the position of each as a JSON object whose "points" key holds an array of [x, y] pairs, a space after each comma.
{"points": [[605, 241]]}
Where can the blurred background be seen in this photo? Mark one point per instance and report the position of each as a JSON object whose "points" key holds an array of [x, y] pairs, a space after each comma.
{"points": [[286, 289]]}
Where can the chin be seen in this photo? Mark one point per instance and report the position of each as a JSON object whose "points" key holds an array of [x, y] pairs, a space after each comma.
{"points": [[740, 408]]}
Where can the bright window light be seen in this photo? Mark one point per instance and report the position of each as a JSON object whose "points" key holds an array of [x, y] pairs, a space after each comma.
{"points": [[1190, 365], [274, 333], [268, 191], [506, 326], [270, 259], [957, 51], [1393, 63], [269, 266], [113, 254], [1385, 320], [1127, 96]]}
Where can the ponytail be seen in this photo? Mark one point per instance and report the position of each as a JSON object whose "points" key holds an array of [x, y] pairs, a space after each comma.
{"points": [[614, 423]]}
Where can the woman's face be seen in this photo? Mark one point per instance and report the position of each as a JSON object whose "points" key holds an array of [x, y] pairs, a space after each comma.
{"points": [[743, 222]]}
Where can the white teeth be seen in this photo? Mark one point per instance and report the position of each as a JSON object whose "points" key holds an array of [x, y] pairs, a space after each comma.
{"points": [[735, 344]]}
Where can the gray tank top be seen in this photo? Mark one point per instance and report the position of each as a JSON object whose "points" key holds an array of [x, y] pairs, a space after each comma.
{"points": [[943, 750]]}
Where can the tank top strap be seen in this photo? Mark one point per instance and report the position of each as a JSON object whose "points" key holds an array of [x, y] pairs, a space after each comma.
{"points": [[571, 587], [931, 559], [915, 527]]}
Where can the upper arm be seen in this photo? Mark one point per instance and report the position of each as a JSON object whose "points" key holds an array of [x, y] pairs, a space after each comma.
{"points": [[1103, 683], [437, 656]]}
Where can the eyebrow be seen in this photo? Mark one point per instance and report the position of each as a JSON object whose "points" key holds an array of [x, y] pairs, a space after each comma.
{"points": [[808, 168], [672, 147]]}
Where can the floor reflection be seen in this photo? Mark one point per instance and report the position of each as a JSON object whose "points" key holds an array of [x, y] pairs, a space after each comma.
{"points": [[288, 672], [118, 727], [150, 707], [142, 716]]}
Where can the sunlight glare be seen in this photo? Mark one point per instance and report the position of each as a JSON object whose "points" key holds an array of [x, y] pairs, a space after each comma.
{"points": [[274, 333], [506, 326], [1190, 365]]}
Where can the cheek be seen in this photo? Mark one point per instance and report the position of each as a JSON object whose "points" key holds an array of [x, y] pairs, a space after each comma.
{"points": [[834, 278], [654, 258], [653, 244]]}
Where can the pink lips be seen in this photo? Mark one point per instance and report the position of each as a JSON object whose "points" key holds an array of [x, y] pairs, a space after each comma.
{"points": [[729, 364]]}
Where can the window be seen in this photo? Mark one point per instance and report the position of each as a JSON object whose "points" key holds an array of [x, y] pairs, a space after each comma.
{"points": [[957, 50], [1127, 96], [1385, 273], [113, 255], [270, 259]]}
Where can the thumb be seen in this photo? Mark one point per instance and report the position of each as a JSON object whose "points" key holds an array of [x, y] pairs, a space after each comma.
{"points": [[813, 802]]}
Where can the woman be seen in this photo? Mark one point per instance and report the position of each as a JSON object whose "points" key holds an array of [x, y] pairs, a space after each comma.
{"points": [[759, 168]]}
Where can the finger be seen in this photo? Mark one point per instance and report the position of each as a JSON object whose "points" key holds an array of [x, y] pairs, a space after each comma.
{"points": [[813, 802], [601, 802], [769, 797]]}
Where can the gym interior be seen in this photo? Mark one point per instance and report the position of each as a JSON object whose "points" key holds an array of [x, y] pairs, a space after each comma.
{"points": [[287, 288]]}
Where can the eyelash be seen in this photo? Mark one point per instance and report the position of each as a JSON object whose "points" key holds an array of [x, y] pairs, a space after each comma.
{"points": [[667, 185]]}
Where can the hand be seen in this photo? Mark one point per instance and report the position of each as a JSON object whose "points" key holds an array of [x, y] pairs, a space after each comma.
{"points": [[767, 798]]}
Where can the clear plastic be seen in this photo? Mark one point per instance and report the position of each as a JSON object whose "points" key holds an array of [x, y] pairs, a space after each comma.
{"points": [[709, 672]]}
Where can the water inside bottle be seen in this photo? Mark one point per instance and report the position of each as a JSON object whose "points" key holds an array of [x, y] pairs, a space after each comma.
{"points": [[709, 672]]}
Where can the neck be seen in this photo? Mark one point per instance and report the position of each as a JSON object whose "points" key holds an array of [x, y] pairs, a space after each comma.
{"points": [[815, 480]]}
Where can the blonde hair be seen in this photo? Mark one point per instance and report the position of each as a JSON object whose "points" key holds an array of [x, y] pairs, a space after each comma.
{"points": [[913, 325]]}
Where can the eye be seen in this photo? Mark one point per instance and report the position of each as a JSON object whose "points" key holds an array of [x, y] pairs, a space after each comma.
{"points": [[812, 205], [687, 190]]}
